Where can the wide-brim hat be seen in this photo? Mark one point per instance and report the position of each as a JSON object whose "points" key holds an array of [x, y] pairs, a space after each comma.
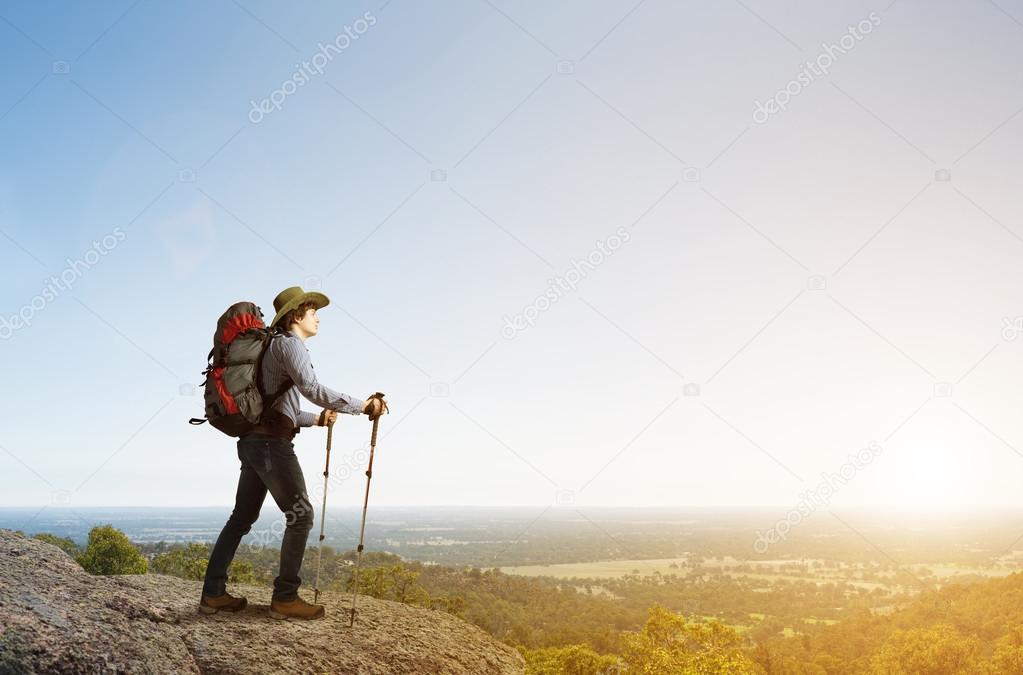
{"points": [[290, 298]]}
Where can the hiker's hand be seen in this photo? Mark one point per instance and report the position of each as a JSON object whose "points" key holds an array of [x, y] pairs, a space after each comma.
{"points": [[326, 417], [375, 407]]}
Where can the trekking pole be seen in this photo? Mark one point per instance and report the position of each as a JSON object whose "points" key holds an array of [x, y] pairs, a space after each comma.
{"points": [[323, 514], [365, 505]]}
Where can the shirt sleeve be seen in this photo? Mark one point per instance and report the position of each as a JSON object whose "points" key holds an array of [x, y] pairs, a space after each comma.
{"points": [[298, 365], [306, 419]]}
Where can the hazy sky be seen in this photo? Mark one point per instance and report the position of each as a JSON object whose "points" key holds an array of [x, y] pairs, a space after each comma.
{"points": [[785, 287]]}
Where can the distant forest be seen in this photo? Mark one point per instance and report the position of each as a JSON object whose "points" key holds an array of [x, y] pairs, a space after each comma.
{"points": [[693, 621]]}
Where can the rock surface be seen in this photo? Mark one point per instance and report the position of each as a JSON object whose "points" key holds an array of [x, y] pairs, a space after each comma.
{"points": [[57, 618]]}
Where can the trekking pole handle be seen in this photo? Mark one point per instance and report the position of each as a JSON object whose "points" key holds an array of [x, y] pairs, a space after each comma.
{"points": [[383, 407], [330, 438], [373, 440]]}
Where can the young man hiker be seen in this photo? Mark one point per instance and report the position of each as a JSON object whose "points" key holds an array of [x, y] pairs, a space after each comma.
{"points": [[269, 464]]}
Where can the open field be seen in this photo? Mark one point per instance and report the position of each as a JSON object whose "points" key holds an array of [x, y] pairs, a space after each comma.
{"points": [[769, 570], [608, 569]]}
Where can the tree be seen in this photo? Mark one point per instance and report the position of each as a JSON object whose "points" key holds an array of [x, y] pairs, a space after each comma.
{"points": [[769, 627], [668, 644], [188, 562], [452, 604], [392, 582], [63, 543], [571, 660], [1008, 656], [109, 551], [937, 650]]}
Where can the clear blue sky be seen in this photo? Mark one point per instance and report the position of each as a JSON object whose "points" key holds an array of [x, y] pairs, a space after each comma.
{"points": [[814, 275]]}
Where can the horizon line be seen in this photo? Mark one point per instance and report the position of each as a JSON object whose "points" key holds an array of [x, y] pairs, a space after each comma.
{"points": [[558, 507]]}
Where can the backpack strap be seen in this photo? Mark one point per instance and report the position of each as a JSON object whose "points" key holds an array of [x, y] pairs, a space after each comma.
{"points": [[196, 421], [273, 399], [269, 403]]}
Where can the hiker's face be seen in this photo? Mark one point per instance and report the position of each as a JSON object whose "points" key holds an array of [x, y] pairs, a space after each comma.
{"points": [[310, 323]]}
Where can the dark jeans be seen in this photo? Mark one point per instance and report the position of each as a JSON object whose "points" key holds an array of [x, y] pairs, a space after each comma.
{"points": [[269, 464]]}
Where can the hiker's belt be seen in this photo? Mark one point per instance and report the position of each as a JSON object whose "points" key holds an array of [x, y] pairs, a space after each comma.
{"points": [[276, 424], [277, 433]]}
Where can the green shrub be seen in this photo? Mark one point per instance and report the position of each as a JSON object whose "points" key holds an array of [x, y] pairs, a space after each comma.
{"points": [[188, 562], [241, 572], [571, 660], [392, 582], [63, 543], [110, 552]]}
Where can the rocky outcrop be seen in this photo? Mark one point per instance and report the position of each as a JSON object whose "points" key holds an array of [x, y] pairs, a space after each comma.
{"points": [[57, 618]]}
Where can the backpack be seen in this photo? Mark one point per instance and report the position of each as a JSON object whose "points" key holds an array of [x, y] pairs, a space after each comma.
{"points": [[234, 395]]}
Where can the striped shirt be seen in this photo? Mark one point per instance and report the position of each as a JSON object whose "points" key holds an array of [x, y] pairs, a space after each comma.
{"points": [[287, 358]]}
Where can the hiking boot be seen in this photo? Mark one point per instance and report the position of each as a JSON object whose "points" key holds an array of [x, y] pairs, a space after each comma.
{"points": [[225, 602], [295, 609]]}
